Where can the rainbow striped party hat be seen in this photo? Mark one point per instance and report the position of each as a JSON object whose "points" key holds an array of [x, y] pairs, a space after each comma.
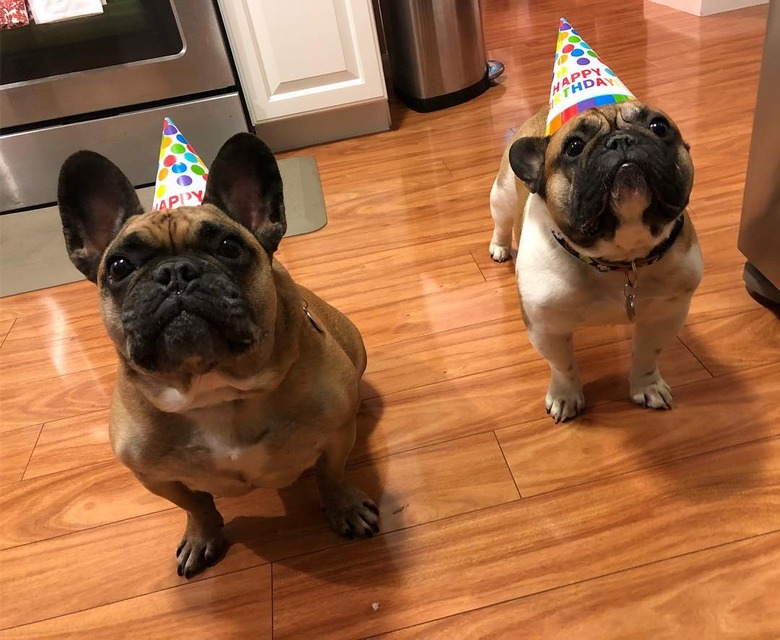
{"points": [[580, 81], [181, 174]]}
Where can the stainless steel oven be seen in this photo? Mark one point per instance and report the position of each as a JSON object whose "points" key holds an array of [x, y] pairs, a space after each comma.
{"points": [[106, 82]]}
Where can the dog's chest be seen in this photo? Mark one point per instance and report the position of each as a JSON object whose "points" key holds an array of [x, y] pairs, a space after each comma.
{"points": [[277, 457], [573, 297], [261, 464], [561, 291]]}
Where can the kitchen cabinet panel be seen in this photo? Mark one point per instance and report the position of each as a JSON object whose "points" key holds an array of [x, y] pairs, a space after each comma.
{"points": [[300, 56]]}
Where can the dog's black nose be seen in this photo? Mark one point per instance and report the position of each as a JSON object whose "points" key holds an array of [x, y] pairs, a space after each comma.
{"points": [[620, 140], [176, 273]]}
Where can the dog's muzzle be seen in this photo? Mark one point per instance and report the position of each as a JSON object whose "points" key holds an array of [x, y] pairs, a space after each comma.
{"points": [[186, 311]]}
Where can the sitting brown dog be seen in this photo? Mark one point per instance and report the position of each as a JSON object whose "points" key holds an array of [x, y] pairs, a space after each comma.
{"points": [[231, 376]]}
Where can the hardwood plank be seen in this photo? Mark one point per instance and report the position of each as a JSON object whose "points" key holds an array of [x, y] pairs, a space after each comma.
{"points": [[89, 569], [460, 352], [423, 253], [22, 404], [692, 595], [60, 323], [16, 447], [500, 398], [348, 272], [429, 484], [71, 443], [232, 606], [753, 341], [448, 355], [73, 500], [411, 489], [719, 247], [492, 270], [5, 327], [26, 361], [721, 293], [529, 546], [354, 159], [437, 312], [614, 438], [55, 299], [348, 292], [432, 214]]}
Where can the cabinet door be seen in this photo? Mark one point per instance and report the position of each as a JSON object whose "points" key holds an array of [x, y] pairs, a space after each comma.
{"points": [[296, 56]]}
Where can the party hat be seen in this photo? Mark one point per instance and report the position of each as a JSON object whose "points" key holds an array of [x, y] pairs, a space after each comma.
{"points": [[580, 81], [181, 175]]}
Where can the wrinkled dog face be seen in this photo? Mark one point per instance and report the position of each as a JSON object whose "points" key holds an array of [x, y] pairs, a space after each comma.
{"points": [[614, 178], [184, 290]]}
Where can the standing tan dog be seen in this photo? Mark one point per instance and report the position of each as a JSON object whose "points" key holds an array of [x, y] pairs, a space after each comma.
{"points": [[599, 213], [231, 376]]}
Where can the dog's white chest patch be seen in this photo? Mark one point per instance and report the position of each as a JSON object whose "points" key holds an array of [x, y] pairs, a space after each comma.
{"points": [[254, 462], [172, 400], [226, 455]]}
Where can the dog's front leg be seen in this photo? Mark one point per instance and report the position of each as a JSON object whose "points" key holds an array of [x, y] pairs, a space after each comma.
{"points": [[203, 542], [564, 396], [350, 511], [648, 388]]}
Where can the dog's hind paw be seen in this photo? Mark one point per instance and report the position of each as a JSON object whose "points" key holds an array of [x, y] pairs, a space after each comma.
{"points": [[499, 253], [653, 394], [351, 512]]}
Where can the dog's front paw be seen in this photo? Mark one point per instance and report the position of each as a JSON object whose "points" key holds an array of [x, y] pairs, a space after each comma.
{"points": [[652, 392], [351, 512], [564, 402], [201, 547], [499, 253]]}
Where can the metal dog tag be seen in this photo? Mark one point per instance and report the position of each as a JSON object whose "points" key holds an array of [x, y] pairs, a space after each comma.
{"points": [[630, 310], [629, 291], [311, 318]]}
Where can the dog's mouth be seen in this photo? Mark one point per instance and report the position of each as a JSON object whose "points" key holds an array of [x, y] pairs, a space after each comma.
{"points": [[188, 332], [628, 179]]}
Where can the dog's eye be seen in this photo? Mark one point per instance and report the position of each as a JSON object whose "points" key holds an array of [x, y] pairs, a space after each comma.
{"points": [[574, 147], [119, 268], [660, 127], [230, 248]]}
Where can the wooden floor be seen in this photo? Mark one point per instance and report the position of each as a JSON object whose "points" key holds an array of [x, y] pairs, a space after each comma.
{"points": [[495, 521]]}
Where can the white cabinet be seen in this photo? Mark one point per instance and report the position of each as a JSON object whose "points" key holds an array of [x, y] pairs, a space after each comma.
{"points": [[301, 56]]}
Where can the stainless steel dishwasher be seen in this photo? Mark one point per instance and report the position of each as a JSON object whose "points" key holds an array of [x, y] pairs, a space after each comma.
{"points": [[759, 231]]}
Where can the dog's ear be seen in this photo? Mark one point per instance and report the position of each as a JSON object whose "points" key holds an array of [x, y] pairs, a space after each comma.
{"points": [[95, 200], [245, 183], [526, 157]]}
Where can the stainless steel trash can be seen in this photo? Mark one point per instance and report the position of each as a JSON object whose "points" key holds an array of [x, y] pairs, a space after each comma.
{"points": [[437, 52]]}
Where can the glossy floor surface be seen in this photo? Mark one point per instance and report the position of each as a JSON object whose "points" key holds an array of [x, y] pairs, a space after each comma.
{"points": [[495, 522]]}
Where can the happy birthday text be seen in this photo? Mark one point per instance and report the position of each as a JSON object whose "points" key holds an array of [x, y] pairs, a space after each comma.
{"points": [[192, 198], [579, 81]]}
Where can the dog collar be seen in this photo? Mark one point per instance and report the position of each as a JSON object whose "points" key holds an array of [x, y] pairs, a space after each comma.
{"points": [[604, 265]]}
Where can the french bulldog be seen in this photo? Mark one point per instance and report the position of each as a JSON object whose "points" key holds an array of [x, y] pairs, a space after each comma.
{"points": [[231, 376], [603, 237]]}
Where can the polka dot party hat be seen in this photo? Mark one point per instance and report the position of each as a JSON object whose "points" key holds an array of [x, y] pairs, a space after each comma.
{"points": [[580, 81], [181, 175]]}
